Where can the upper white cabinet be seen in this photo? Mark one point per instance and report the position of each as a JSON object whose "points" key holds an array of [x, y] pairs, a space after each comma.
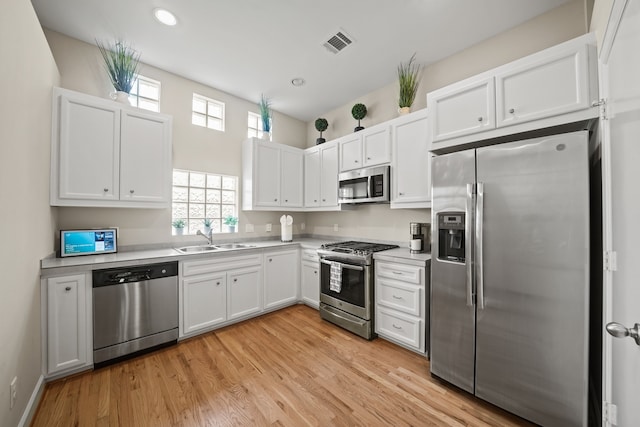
{"points": [[272, 176], [549, 88], [107, 154], [321, 176], [368, 147], [411, 171], [281, 278], [543, 86]]}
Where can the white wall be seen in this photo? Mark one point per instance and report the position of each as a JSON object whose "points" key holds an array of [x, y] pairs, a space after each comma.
{"points": [[194, 147], [27, 223], [556, 26]]}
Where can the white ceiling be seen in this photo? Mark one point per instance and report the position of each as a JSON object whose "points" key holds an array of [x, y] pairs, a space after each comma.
{"points": [[249, 47]]}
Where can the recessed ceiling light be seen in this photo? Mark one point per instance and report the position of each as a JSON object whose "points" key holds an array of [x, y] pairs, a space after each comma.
{"points": [[298, 81], [165, 17]]}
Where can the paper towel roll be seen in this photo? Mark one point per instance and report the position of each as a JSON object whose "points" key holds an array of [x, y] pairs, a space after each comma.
{"points": [[286, 228]]}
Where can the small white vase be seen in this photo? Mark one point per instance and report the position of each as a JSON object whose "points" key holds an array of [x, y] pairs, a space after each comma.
{"points": [[121, 97], [206, 230], [179, 231], [404, 110], [266, 136]]}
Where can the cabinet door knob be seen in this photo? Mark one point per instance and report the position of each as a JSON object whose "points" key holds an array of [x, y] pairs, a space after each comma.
{"points": [[131, 191], [324, 200], [235, 280], [400, 194], [315, 272], [270, 259], [355, 161], [218, 283], [368, 158], [286, 200], [512, 110], [106, 190], [314, 200], [68, 288], [275, 200], [480, 119]]}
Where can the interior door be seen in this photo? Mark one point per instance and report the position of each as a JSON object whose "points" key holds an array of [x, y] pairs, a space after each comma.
{"points": [[620, 86]]}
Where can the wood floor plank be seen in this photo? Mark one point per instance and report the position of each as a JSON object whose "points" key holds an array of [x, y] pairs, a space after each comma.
{"points": [[286, 368]]}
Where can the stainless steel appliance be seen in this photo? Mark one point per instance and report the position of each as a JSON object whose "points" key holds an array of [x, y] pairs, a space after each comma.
{"points": [[134, 308], [420, 237], [368, 185], [346, 285], [510, 275]]}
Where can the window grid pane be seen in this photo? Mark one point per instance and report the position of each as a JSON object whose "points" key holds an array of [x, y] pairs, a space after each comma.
{"points": [[145, 94], [207, 112], [200, 195]]}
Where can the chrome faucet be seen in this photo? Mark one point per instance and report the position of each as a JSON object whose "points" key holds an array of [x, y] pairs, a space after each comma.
{"points": [[209, 237]]}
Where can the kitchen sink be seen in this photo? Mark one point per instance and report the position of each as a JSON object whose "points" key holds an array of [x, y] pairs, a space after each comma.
{"points": [[197, 249], [234, 246]]}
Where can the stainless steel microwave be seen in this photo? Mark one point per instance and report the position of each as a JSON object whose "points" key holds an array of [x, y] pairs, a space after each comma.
{"points": [[367, 185]]}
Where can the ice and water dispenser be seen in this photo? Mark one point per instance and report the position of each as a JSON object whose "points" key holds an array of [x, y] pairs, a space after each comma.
{"points": [[451, 236]]}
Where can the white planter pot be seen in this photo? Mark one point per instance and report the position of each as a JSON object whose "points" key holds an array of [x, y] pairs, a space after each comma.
{"points": [[121, 97], [179, 231]]}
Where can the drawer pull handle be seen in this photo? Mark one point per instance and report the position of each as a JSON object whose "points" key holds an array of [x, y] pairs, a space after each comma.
{"points": [[396, 297], [396, 326], [68, 288], [396, 272]]}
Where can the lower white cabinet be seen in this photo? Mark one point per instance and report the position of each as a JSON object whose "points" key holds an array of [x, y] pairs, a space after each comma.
{"points": [[402, 303], [218, 290], [68, 323], [205, 301], [281, 276], [310, 278]]}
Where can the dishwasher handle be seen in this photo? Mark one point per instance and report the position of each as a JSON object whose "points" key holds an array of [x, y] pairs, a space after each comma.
{"points": [[138, 273]]}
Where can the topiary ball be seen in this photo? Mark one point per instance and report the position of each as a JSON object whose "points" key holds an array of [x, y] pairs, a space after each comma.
{"points": [[321, 124], [359, 111]]}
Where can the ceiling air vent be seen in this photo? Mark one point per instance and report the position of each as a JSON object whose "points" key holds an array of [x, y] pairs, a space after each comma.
{"points": [[338, 41]]}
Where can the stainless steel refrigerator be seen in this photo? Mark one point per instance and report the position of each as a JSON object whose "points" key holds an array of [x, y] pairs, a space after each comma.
{"points": [[510, 275]]}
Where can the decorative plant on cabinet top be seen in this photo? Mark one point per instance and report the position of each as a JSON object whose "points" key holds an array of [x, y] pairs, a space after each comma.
{"points": [[122, 63], [359, 111], [408, 80], [321, 126], [265, 115]]}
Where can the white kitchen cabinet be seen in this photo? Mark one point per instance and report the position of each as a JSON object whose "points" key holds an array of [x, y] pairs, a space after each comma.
{"points": [[543, 86], [553, 87], [272, 176], [68, 326], [107, 154], [310, 278], [215, 291], [244, 293], [368, 147], [402, 309], [462, 108], [205, 301], [321, 176], [281, 278], [411, 171]]}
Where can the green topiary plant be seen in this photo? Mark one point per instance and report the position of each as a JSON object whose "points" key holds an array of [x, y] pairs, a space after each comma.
{"points": [[408, 79], [321, 126], [122, 63], [359, 111], [265, 113]]}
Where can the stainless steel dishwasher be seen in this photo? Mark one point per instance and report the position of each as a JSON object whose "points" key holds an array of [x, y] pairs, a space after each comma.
{"points": [[134, 308]]}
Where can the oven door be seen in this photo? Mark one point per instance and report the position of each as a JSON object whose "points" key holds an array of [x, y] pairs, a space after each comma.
{"points": [[355, 294]]}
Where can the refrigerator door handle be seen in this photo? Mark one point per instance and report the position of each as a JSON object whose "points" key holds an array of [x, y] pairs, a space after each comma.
{"points": [[468, 245], [479, 244]]}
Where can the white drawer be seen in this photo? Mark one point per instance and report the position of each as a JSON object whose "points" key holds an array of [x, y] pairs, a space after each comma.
{"points": [[399, 296], [310, 255], [403, 272], [209, 265], [400, 327]]}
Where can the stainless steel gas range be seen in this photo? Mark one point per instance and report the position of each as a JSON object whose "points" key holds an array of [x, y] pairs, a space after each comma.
{"points": [[346, 285]]}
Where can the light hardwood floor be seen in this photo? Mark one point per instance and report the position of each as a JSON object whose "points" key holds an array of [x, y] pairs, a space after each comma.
{"points": [[287, 368]]}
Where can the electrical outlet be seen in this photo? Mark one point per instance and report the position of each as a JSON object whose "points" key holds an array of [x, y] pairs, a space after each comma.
{"points": [[248, 228], [302, 226], [335, 227], [13, 393], [268, 228]]}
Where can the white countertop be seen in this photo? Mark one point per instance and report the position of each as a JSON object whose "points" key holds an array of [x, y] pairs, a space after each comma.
{"points": [[135, 257], [402, 255]]}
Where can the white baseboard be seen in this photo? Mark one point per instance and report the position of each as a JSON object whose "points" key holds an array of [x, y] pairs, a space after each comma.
{"points": [[34, 400]]}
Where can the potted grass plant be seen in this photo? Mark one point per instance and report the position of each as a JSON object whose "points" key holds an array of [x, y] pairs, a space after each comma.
{"points": [[231, 222], [265, 115], [178, 225], [408, 79], [207, 222], [122, 63]]}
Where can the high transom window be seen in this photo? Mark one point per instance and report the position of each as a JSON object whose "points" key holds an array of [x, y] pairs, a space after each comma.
{"points": [[145, 94], [207, 112], [200, 196], [254, 125]]}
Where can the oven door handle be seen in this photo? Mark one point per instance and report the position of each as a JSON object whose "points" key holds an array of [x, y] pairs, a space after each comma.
{"points": [[342, 265]]}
